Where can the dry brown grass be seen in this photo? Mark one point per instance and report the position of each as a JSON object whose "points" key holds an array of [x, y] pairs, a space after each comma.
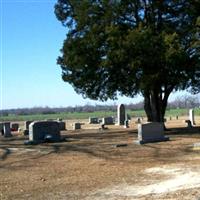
{"points": [[88, 165]]}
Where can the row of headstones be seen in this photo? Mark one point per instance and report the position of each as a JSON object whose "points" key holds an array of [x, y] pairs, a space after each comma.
{"points": [[41, 131], [121, 117]]}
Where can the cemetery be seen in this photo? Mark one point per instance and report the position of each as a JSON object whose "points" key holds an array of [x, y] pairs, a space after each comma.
{"points": [[125, 126], [137, 162]]}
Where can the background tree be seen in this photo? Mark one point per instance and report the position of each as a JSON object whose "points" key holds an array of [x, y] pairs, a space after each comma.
{"points": [[128, 47]]}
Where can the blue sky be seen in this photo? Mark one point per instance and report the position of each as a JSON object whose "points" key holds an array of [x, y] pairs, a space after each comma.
{"points": [[31, 37]]}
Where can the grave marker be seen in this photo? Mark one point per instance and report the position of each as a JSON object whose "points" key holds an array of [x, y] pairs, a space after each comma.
{"points": [[93, 120], [76, 125], [121, 114], [191, 116], [6, 129], [108, 120], [151, 132], [14, 126], [44, 130]]}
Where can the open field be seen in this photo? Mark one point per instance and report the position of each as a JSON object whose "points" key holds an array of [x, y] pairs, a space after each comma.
{"points": [[85, 115], [89, 166]]}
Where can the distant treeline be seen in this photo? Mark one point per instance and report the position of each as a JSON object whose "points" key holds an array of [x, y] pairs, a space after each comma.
{"points": [[188, 101]]}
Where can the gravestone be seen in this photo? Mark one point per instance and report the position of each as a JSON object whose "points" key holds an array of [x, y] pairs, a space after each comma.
{"points": [[189, 123], [108, 120], [126, 125], [44, 130], [26, 124], [76, 125], [61, 125], [121, 114], [14, 126], [6, 129], [93, 120], [191, 116], [128, 117], [151, 132], [138, 121], [1, 128]]}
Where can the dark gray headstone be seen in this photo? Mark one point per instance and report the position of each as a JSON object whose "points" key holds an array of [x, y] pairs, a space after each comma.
{"points": [[26, 124], [126, 125], [93, 120], [1, 128], [189, 123], [6, 129], [76, 125], [121, 114], [38, 131], [61, 125], [14, 126], [138, 121], [151, 132], [108, 120]]}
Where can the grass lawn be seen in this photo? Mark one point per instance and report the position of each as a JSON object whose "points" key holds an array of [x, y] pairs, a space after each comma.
{"points": [[85, 115]]}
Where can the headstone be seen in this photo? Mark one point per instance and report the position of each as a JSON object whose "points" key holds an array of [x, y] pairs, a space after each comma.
{"points": [[26, 124], [19, 130], [108, 120], [76, 125], [99, 121], [25, 132], [1, 128], [121, 114], [138, 121], [126, 125], [102, 127], [61, 125], [93, 120], [14, 126], [6, 129], [151, 132], [191, 116], [42, 130], [189, 123], [128, 117]]}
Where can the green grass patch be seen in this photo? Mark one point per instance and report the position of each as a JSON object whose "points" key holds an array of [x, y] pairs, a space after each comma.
{"points": [[85, 115]]}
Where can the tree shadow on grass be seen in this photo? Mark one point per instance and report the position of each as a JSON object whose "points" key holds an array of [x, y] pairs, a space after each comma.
{"points": [[98, 145], [183, 131]]}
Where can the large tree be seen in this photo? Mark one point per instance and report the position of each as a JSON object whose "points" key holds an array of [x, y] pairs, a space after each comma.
{"points": [[126, 47]]}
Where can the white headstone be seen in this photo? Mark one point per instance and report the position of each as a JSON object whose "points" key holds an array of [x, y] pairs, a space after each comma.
{"points": [[151, 132], [191, 116]]}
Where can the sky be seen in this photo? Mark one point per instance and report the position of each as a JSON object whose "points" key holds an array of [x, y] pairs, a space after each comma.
{"points": [[31, 39]]}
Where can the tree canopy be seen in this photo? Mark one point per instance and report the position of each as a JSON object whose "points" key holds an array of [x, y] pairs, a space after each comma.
{"points": [[127, 47]]}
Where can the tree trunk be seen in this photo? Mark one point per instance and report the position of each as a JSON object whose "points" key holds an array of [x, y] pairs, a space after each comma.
{"points": [[155, 104]]}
